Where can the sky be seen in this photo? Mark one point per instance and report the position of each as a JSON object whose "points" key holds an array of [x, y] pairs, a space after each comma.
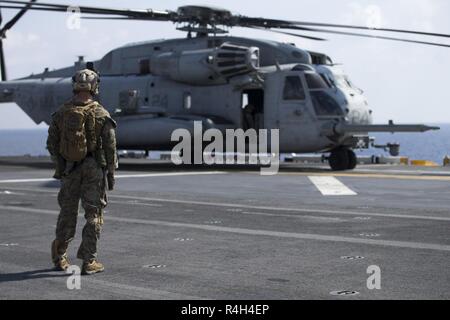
{"points": [[408, 83]]}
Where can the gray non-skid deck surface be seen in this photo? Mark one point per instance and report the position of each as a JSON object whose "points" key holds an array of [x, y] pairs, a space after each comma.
{"points": [[229, 233]]}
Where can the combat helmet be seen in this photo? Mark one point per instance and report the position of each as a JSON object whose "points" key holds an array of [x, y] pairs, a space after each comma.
{"points": [[86, 80]]}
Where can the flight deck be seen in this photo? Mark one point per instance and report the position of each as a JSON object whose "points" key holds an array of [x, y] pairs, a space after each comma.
{"points": [[226, 232]]}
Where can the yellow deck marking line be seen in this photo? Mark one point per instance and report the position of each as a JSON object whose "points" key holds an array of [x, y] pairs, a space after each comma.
{"points": [[389, 176], [365, 175]]}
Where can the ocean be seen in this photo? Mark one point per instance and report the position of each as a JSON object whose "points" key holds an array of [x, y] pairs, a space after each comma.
{"points": [[431, 145], [428, 146]]}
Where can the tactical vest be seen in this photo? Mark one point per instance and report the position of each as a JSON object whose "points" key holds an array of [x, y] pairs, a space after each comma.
{"points": [[77, 130]]}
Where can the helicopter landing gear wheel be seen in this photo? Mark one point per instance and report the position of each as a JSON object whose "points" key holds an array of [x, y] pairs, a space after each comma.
{"points": [[352, 159], [342, 159]]}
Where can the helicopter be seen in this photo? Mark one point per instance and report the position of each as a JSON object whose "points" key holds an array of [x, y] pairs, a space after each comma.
{"points": [[155, 87]]}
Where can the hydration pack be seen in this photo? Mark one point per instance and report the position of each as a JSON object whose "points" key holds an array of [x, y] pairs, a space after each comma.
{"points": [[77, 129]]}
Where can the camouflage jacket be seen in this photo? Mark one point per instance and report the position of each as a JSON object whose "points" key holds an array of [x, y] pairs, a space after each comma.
{"points": [[104, 129]]}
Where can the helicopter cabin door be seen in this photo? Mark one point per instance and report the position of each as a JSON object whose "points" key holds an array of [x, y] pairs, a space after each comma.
{"points": [[285, 102], [253, 109]]}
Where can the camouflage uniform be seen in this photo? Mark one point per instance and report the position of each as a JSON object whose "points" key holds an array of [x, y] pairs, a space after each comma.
{"points": [[86, 181]]}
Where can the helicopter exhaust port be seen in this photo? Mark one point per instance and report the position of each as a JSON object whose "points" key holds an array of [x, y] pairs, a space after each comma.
{"points": [[208, 66]]}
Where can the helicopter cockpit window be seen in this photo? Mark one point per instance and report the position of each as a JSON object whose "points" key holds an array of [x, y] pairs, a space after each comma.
{"points": [[314, 81], [327, 80], [350, 84], [343, 82], [324, 104], [293, 89]]}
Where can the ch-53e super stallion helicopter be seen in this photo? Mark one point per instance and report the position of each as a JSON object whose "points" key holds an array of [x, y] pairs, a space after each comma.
{"points": [[155, 87]]}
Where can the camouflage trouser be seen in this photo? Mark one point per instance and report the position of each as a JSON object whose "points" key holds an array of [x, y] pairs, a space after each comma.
{"points": [[85, 182]]}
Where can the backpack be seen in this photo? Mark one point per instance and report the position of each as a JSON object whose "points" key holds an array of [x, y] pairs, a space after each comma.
{"points": [[77, 132]]}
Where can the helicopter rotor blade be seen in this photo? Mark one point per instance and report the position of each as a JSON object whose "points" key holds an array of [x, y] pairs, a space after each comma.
{"points": [[363, 35], [289, 33], [231, 21], [16, 18], [4, 29], [273, 23], [110, 18], [432, 34], [148, 14], [3, 73], [3, 76], [116, 18]]}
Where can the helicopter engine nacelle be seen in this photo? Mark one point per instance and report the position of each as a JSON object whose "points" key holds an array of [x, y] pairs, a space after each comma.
{"points": [[208, 66]]}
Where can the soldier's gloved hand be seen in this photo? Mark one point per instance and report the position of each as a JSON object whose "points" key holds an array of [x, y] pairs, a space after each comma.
{"points": [[111, 181], [59, 167]]}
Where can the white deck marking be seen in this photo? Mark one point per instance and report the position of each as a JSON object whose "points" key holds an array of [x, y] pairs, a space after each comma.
{"points": [[410, 172], [134, 202], [27, 180], [253, 207], [330, 186], [168, 174], [121, 176], [7, 192], [296, 216], [255, 232]]}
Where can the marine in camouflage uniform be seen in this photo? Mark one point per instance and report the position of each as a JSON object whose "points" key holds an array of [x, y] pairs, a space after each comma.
{"points": [[85, 180]]}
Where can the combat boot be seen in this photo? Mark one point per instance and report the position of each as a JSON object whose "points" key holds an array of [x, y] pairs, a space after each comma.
{"points": [[59, 255], [63, 264], [91, 267]]}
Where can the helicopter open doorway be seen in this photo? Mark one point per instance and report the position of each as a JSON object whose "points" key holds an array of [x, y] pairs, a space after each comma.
{"points": [[253, 109]]}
